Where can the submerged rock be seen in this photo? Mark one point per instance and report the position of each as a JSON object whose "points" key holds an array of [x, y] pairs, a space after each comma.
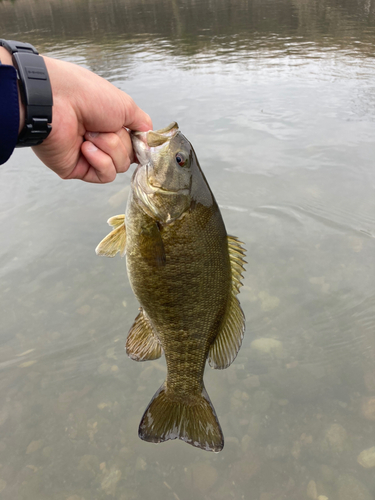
{"points": [[201, 477], [268, 346], [311, 490], [368, 408], [268, 302], [336, 437], [34, 446], [110, 480], [367, 458]]}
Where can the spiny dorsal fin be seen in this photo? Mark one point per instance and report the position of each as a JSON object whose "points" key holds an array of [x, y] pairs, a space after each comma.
{"points": [[225, 347], [115, 241], [142, 344]]}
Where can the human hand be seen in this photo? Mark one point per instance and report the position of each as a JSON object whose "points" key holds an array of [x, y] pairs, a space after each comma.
{"points": [[88, 140]]}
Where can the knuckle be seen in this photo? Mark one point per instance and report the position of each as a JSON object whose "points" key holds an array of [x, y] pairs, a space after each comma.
{"points": [[123, 167], [108, 177], [113, 141], [126, 164]]}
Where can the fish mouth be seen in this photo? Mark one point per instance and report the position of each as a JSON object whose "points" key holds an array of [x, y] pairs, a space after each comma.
{"points": [[155, 138]]}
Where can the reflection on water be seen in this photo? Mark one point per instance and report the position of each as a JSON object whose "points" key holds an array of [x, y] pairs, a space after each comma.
{"points": [[278, 100]]}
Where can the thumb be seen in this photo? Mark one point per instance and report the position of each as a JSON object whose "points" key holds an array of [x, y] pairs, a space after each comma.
{"points": [[134, 117]]}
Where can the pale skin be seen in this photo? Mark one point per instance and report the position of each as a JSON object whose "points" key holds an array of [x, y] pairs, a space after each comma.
{"points": [[89, 140]]}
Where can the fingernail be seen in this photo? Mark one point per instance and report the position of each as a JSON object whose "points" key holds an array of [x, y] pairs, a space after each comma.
{"points": [[91, 147], [144, 127], [92, 135]]}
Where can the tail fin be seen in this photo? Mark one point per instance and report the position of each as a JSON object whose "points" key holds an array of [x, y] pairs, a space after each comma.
{"points": [[195, 421]]}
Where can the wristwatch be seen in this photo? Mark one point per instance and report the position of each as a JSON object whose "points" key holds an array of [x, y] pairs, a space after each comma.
{"points": [[36, 92]]}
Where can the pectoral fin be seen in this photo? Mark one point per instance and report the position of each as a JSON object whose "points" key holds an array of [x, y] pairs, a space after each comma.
{"points": [[116, 220], [142, 344], [151, 245], [116, 240], [225, 347]]}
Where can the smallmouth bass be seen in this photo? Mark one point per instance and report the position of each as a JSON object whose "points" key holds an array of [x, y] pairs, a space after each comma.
{"points": [[186, 273]]}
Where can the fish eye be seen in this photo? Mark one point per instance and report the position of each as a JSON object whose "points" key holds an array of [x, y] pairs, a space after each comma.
{"points": [[181, 159]]}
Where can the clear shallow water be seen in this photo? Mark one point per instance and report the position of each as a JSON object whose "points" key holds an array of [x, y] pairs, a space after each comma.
{"points": [[278, 100]]}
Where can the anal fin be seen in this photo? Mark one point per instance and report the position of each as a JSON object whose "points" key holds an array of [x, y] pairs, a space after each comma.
{"points": [[142, 344]]}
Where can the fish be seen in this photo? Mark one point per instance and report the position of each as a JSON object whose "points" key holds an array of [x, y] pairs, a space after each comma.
{"points": [[186, 273]]}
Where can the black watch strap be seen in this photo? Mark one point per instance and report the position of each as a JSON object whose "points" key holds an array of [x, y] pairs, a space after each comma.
{"points": [[36, 92]]}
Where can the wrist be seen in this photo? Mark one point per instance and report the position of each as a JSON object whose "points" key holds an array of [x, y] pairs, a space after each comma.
{"points": [[6, 58]]}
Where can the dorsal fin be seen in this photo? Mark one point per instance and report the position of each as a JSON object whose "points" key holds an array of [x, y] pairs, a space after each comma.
{"points": [[115, 241], [226, 345], [142, 344]]}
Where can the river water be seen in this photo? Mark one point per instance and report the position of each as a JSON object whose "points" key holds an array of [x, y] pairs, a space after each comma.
{"points": [[278, 99]]}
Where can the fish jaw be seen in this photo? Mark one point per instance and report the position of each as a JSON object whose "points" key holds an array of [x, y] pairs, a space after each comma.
{"points": [[141, 147], [160, 184], [144, 142]]}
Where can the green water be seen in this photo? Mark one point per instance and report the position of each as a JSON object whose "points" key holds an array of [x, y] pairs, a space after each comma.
{"points": [[278, 100]]}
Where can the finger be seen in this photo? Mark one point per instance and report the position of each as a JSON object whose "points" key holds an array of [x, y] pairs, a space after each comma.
{"points": [[100, 161], [117, 145], [85, 172]]}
